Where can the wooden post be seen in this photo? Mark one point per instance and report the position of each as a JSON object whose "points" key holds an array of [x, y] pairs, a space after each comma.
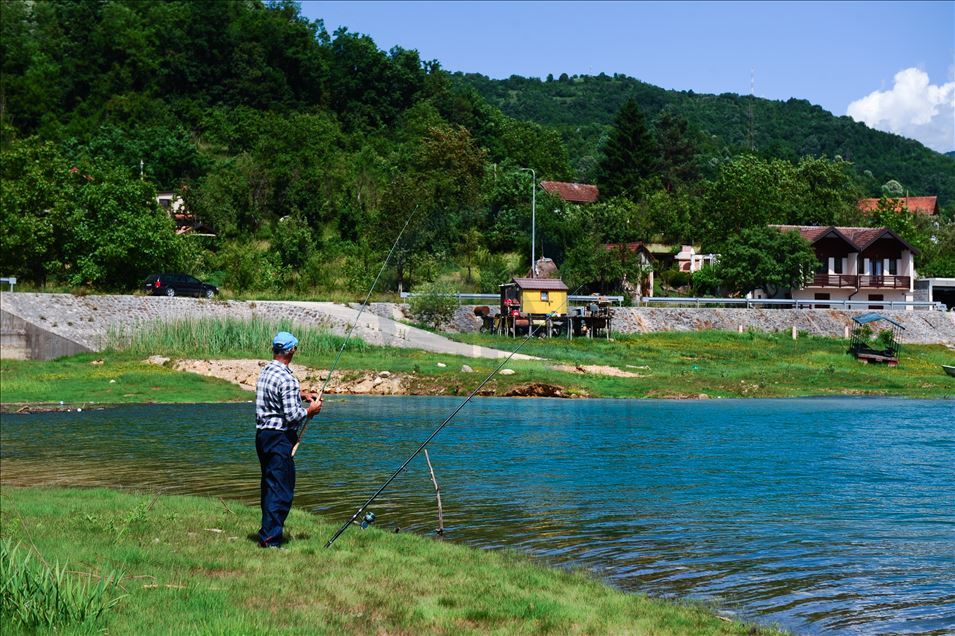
{"points": [[846, 331], [795, 333], [437, 493], [739, 329]]}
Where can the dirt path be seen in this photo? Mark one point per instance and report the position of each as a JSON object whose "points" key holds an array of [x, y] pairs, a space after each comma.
{"points": [[246, 372]]}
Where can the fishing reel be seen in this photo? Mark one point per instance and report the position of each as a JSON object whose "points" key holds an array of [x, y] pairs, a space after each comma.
{"points": [[367, 520]]}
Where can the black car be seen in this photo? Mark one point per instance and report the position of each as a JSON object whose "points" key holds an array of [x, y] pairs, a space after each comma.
{"points": [[179, 285]]}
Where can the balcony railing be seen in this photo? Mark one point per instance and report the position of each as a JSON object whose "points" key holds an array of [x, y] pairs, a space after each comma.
{"points": [[885, 281], [834, 280]]}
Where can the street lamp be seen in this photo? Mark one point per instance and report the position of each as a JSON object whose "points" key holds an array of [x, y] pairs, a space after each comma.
{"points": [[533, 220]]}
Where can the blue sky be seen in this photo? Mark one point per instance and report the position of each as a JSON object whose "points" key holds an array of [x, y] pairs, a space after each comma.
{"points": [[889, 64]]}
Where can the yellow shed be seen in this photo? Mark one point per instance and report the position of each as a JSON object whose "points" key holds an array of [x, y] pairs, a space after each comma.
{"points": [[542, 295]]}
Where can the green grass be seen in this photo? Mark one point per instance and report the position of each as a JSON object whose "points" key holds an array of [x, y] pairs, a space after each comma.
{"points": [[726, 364], [119, 379], [190, 567], [38, 596], [670, 365]]}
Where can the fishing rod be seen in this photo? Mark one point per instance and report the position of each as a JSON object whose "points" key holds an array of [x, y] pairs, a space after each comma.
{"points": [[530, 333], [321, 392]]}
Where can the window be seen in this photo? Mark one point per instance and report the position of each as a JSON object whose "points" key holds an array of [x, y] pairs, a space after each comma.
{"points": [[545, 296], [876, 297], [837, 266], [821, 296], [893, 266]]}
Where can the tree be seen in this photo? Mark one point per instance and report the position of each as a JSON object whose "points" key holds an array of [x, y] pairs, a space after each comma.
{"points": [[33, 207], [748, 192], [87, 224], [677, 148], [468, 246], [589, 264], [894, 214], [768, 259], [629, 155], [828, 193], [118, 234], [893, 188]]}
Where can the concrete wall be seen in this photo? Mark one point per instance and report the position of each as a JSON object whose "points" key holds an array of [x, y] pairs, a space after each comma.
{"points": [[21, 340]]}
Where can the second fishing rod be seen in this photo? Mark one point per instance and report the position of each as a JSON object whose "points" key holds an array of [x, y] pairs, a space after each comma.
{"points": [[364, 506]]}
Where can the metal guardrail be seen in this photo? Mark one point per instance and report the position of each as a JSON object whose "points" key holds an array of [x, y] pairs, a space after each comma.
{"points": [[11, 279], [795, 304], [580, 299]]}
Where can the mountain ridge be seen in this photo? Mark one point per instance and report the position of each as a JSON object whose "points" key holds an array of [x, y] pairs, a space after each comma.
{"points": [[582, 108]]}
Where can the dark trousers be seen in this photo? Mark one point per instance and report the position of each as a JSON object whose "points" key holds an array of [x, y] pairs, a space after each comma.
{"points": [[278, 481]]}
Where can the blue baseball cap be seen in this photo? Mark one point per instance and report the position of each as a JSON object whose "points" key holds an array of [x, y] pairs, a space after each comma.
{"points": [[283, 341]]}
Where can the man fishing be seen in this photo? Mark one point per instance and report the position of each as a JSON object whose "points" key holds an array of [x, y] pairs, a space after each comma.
{"points": [[278, 415]]}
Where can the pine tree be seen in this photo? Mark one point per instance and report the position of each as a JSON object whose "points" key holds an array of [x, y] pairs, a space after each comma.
{"points": [[677, 150], [629, 155]]}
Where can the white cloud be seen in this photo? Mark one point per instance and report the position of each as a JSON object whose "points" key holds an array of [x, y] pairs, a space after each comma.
{"points": [[913, 108]]}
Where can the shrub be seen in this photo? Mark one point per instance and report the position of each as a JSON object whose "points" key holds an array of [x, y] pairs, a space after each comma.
{"points": [[705, 282], [885, 339], [679, 279], [433, 305]]}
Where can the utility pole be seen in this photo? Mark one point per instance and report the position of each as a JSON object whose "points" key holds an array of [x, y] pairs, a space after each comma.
{"points": [[533, 220]]}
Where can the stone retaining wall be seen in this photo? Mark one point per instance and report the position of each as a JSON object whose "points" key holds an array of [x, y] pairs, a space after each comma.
{"points": [[921, 327], [86, 321]]}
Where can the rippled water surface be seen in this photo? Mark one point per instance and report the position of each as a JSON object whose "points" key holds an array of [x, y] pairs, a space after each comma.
{"points": [[834, 515]]}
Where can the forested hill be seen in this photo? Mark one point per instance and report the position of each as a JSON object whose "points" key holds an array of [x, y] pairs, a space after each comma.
{"points": [[307, 152], [583, 109]]}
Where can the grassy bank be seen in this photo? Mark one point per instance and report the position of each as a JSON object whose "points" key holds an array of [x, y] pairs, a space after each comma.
{"points": [[188, 565], [727, 364], [666, 365]]}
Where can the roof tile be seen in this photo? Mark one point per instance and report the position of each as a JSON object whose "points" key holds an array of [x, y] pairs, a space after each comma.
{"points": [[915, 205], [572, 192]]}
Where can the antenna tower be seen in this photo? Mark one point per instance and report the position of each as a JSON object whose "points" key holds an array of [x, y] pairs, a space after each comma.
{"points": [[751, 134]]}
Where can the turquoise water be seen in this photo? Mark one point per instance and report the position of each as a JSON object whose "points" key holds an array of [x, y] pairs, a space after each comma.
{"points": [[821, 515]]}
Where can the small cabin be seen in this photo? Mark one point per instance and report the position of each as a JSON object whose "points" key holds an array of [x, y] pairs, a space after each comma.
{"points": [[532, 296]]}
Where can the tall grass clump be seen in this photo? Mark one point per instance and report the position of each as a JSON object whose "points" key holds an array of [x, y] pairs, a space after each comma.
{"points": [[212, 337], [37, 596]]}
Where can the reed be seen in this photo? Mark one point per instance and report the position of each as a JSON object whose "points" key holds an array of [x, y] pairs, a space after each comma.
{"points": [[38, 596], [215, 337]]}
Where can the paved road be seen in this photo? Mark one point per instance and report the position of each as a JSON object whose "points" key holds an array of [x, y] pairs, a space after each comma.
{"points": [[384, 331]]}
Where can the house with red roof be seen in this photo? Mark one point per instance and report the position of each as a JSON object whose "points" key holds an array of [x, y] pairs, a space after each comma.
{"points": [[857, 263], [926, 206], [572, 192]]}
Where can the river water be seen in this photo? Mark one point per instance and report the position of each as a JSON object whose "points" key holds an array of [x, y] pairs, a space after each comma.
{"points": [[820, 515]]}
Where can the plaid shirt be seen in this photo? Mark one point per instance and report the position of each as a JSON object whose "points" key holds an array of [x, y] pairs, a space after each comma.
{"points": [[278, 398]]}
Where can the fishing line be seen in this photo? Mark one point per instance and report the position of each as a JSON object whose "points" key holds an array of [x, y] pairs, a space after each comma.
{"points": [[530, 333], [301, 432]]}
